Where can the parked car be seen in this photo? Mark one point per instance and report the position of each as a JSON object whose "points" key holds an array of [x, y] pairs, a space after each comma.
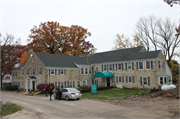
{"points": [[67, 93]]}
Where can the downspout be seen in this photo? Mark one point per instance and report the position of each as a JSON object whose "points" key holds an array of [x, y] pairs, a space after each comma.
{"points": [[115, 75], [48, 76]]}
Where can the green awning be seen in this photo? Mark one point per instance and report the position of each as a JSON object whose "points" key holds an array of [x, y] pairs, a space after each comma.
{"points": [[103, 74]]}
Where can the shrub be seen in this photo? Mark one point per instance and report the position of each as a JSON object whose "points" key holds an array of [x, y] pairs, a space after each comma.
{"points": [[42, 86], [14, 87], [84, 88], [8, 87], [20, 90]]}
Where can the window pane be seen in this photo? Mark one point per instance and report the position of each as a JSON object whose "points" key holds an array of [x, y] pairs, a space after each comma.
{"points": [[129, 78], [145, 81], [164, 80], [129, 65], [78, 83], [119, 66], [62, 85], [103, 80], [82, 71], [104, 67], [147, 65], [86, 72], [140, 65], [110, 67], [161, 80], [84, 83], [90, 71], [120, 79], [62, 71]]}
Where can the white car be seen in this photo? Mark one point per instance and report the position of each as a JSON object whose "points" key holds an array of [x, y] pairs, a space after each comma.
{"points": [[167, 87], [67, 93]]}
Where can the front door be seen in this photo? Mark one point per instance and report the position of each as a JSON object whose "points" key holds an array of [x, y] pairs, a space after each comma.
{"points": [[33, 84], [108, 82]]}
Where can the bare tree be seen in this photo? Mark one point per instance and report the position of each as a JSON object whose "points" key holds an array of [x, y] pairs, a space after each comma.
{"points": [[8, 41], [167, 41], [171, 2], [146, 28], [159, 33]]}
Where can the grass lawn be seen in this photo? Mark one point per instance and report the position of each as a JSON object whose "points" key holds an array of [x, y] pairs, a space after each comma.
{"points": [[9, 109], [113, 94]]}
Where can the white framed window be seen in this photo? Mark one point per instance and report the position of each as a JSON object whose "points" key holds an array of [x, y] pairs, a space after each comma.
{"points": [[112, 80], [86, 71], [52, 71], [129, 66], [129, 79], [62, 85], [78, 83], [40, 70], [120, 79], [95, 70], [90, 71], [27, 71], [33, 71], [145, 81], [110, 67], [22, 72], [82, 70], [163, 65], [163, 80], [70, 84], [103, 80], [159, 63], [62, 72], [120, 66], [148, 65], [84, 83], [105, 68], [140, 66]]}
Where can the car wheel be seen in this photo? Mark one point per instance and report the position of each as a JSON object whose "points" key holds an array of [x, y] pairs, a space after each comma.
{"points": [[77, 98], [67, 98]]}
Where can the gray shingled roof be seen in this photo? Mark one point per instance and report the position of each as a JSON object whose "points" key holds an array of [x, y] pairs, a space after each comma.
{"points": [[19, 68], [123, 55], [56, 60]]}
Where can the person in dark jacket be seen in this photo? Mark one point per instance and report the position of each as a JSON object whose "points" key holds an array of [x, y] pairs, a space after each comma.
{"points": [[50, 92], [46, 91]]}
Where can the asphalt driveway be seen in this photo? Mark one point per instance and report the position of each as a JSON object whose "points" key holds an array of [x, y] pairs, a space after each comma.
{"points": [[40, 107]]}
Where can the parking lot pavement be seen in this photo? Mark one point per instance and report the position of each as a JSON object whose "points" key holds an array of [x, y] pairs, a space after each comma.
{"points": [[40, 107]]}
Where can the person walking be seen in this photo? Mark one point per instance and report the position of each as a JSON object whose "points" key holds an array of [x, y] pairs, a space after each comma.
{"points": [[46, 91], [50, 92]]}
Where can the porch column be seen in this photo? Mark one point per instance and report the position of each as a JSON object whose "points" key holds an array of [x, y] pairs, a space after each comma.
{"points": [[26, 85], [30, 85]]}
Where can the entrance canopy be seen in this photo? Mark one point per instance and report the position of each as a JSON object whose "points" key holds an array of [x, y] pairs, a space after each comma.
{"points": [[103, 75]]}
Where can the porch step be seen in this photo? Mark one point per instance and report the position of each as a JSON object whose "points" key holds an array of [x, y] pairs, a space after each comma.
{"points": [[38, 92]]}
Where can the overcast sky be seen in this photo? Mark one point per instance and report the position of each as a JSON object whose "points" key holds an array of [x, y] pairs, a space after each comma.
{"points": [[104, 19]]}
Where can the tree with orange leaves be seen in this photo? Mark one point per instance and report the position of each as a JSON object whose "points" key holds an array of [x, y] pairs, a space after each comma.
{"points": [[78, 45], [24, 58], [53, 38], [49, 37]]}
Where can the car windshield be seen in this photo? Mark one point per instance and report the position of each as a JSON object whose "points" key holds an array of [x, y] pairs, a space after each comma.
{"points": [[73, 89]]}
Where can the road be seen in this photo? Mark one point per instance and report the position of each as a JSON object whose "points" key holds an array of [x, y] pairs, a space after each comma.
{"points": [[40, 107]]}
